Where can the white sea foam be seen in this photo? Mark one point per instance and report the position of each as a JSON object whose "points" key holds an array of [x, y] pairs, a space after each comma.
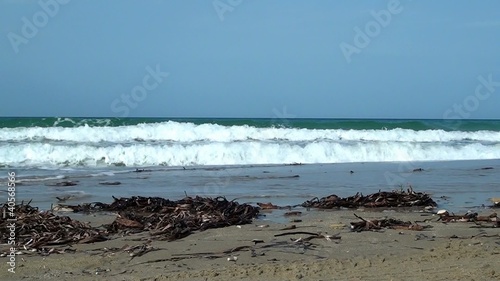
{"points": [[180, 144], [239, 153], [36, 179], [109, 174], [189, 132]]}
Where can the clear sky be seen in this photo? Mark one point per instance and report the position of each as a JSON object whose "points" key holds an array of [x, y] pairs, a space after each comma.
{"points": [[250, 58]]}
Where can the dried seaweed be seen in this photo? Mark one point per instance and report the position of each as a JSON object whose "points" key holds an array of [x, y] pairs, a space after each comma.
{"points": [[378, 224], [171, 219], [35, 229], [446, 217], [397, 198], [164, 219]]}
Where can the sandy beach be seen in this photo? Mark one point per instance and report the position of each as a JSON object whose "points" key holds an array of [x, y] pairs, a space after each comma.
{"points": [[452, 251], [249, 140]]}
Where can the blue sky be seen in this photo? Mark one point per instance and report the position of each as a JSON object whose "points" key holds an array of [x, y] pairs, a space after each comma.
{"points": [[242, 58]]}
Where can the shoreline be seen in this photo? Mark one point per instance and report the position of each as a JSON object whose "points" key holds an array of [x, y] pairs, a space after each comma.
{"points": [[444, 252], [464, 183]]}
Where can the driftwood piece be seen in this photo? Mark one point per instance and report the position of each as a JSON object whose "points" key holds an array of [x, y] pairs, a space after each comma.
{"points": [[295, 233], [378, 224]]}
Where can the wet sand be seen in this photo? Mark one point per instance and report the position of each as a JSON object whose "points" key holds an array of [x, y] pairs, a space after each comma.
{"points": [[464, 185], [432, 254]]}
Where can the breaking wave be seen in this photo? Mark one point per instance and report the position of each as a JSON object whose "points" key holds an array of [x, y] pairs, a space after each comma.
{"points": [[181, 143]]}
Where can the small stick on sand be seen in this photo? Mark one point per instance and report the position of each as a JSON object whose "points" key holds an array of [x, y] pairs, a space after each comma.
{"points": [[296, 232]]}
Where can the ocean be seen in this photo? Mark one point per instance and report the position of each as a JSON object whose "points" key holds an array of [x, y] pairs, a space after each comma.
{"points": [[285, 160]]}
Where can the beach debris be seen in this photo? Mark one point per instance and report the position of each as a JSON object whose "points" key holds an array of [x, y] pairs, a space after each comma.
{"points": [[110, 183], [60, 208], [338, 226], [209, 255], [444, 197], [293, 213], [258, 249], [378, 224], [65, 198], [294, 233], [446, 217], [267, 206], [293, 226], [271, 206], [496, 202], [257, 241], [38, 230], [442, 212], [164, 219], [142, 170], [171, 220], [123, 222], [470, 216], [397, 198], [63, 183], [422, 236], [428, 208], [485, 168], [312, 235], [139, 250]]}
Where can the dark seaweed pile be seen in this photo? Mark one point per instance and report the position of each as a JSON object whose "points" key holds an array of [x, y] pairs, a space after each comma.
{"points": [[164, 219], [397, 198], [35, 229], [176, 219]]}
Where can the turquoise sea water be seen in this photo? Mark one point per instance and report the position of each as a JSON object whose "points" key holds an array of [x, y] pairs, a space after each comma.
{"points": [[308, 123]]}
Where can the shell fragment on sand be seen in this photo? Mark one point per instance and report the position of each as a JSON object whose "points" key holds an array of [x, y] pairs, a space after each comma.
{"points": [[338, 226], [60, 208], [442, 212]]}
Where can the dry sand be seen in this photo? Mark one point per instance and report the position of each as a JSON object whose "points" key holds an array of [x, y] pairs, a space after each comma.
{"points": [[386, 255]]}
